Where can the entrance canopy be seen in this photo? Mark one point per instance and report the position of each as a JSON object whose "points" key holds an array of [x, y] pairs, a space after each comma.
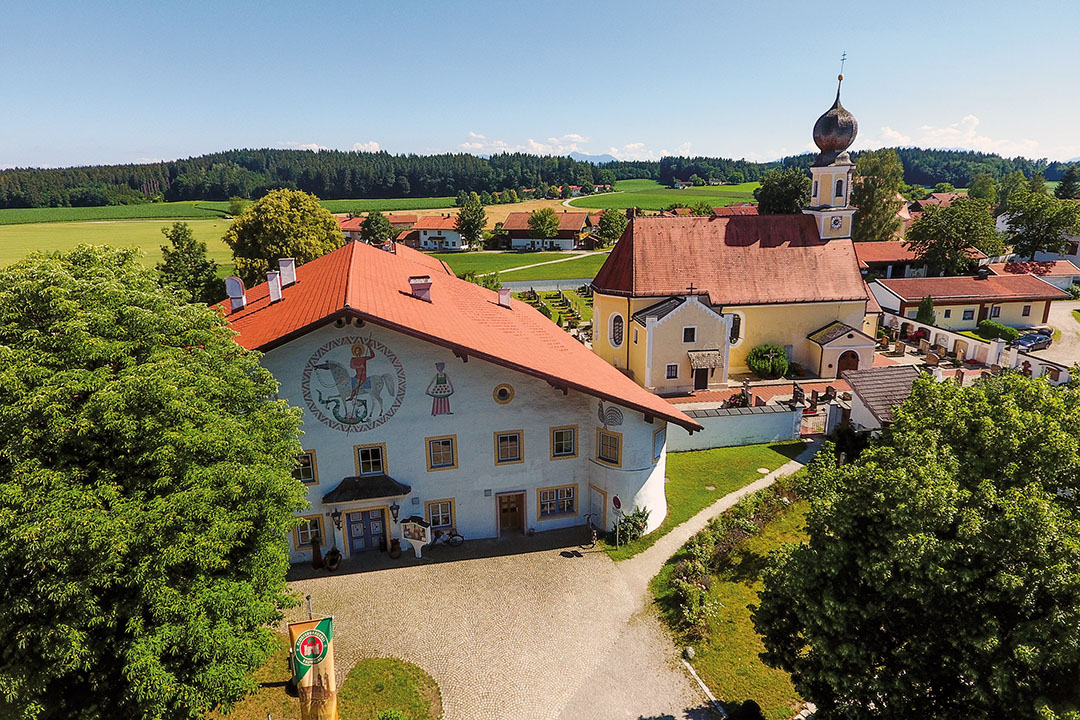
{"points": [[367, 487], [700, 359]]}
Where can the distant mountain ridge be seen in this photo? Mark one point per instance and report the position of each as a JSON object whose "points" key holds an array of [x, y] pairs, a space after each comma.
{"points": [[594, 159]]}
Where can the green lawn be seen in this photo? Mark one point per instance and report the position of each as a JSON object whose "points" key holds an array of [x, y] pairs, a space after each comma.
{"points": [[1076, 315], [485, 262], [18, 240], [651, 195], [727, 660], [372, 686], [691, 474], [585, 267], [199, 209]]}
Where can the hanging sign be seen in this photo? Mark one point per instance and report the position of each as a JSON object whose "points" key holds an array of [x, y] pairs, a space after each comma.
{"points": [[313, 668]]}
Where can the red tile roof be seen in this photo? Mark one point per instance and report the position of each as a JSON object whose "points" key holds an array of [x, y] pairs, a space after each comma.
{"points": [[742, 260], [736, 209], [401, 219], [363, 281], [567, 220], [969, 289], [890, 251], [1035, 267], [349, 224], [872, 305], [436, 222]]}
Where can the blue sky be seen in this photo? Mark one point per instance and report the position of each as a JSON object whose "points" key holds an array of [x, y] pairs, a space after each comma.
{"points": [[88, 83]]}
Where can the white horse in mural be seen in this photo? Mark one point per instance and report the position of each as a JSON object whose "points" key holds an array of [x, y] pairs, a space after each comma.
{"points": [[334, 375]]}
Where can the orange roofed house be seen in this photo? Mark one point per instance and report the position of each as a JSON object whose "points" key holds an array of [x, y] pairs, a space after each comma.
{"points": [[574, 230], [439, 232], [682, 300], [428, 397]]}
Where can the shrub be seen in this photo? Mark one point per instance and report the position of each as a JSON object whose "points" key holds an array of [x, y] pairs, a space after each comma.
{"points": [[1074, 291], [767, 361], [392, 715], [632, 525], [990, 329]]}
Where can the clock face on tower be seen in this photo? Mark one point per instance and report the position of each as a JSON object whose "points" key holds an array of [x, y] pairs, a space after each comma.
{"points": [[835, 222]]}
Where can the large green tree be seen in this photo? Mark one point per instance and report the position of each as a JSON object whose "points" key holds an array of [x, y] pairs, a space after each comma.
{"points": [[875, 195], [612, 224], [1041, 222], [941, 237], [185, 265], [282, 223], [146, 491], [983, 187], [1068, 188], [941, 577], [376, 228], [471, 220], [783, 192], [1009, 186], [544, 222]]}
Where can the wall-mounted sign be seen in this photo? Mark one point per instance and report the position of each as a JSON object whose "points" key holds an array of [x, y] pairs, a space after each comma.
{"points": [[353, 384]]}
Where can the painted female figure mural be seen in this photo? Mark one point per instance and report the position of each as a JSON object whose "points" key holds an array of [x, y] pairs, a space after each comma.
{"points": [[440, 389]]}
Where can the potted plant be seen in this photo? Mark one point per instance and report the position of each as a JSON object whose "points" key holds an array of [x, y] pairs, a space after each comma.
{"points": [[316, 552], [332, 559]]}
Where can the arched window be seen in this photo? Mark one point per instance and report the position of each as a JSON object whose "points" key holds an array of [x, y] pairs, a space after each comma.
{"points": [[839, 188], [736, 326], [616, 330], [814, 194]]}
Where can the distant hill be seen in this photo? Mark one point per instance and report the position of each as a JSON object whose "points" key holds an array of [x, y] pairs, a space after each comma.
{"points": [[594, 159]]}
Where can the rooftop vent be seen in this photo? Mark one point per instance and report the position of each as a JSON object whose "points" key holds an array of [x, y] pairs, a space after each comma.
{"points": [[421, 287], [234, 288], [287, 266], [273, 281], [504, 297]]}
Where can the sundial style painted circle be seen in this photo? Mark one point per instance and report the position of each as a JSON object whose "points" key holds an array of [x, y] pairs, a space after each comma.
{"points": [[353, 384]]}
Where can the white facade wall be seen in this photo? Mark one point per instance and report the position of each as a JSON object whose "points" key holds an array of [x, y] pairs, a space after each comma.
{"points": [[474, 419], [542, 243], [861, 417], [732, 427], [442, 240]]}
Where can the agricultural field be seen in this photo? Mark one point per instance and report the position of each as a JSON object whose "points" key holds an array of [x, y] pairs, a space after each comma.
{"points": [[651, 195], [18, 240], [582, 267], [486, 262]]}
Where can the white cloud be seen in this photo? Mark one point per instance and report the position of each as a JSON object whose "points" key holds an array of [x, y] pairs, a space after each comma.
{"points": [[638, 151], [482, 145], [369, 146], [965, 135], [303, 146]]}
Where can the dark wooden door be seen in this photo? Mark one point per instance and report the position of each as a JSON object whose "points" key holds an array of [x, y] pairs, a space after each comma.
{"points": [[511, 513], [849, 360], [701, 379], [984, 312]]}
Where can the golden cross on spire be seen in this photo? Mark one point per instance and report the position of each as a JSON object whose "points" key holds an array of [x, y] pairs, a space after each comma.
{"points": [[843, 57]]}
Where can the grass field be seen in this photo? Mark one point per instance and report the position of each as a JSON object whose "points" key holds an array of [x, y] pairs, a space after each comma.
{"points": [[18, 240], [583, 267], [485, 262], [651, 195], [373, 685], [727, 660], [692, 474], [199, 210]]}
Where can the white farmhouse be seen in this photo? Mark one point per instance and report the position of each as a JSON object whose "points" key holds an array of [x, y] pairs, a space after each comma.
{"points": [[425, 395], [439, 232]]}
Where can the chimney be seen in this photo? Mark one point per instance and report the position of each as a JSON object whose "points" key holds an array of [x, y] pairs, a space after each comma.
{"points": [[983, 274], [273, 280], [234, 287], [504, 297], [287, 266], [421, 287]]}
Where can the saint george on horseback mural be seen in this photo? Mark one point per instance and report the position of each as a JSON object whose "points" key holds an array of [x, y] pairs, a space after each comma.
{"points": [[353, 384]]}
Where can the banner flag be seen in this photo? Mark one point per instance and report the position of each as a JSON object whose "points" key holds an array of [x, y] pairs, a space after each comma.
{"points": [[313, 668]]}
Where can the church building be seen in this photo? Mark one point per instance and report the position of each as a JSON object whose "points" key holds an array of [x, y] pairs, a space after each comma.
{"points": [[682, 300], [432, 400]]}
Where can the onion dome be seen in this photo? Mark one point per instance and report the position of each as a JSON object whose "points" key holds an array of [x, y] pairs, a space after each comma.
{"points": [[834, 132]]}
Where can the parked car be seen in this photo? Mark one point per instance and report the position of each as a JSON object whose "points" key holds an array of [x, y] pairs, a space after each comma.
{"points": [[1033, 341]]}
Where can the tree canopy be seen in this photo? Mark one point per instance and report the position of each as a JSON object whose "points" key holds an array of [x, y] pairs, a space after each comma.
{"points": [[544, 222], [941, 575], [184, 265], [1068, 188], [145, 494], [283, 223], [376, 228], [612, 224], [874, 193], [1041, 222], [471, 220], [941, 237], [983, 188], [783, 192]]}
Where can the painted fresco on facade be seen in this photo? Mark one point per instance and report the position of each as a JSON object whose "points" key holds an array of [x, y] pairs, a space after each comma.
{"points": [[440, 389], [353, 384]]}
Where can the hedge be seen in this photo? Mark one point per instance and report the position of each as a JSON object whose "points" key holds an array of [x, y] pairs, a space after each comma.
{"points": [[767, 361], [990, 329]]}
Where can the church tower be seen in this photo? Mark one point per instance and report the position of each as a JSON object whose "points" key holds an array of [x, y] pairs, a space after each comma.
{"points": [[833, 171]]}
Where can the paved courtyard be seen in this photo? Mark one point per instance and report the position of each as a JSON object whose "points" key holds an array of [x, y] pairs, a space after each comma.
{"points": [[524, 629]]}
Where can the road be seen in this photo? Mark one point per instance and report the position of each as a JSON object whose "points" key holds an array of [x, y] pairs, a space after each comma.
{"points": [[1066, 349]]}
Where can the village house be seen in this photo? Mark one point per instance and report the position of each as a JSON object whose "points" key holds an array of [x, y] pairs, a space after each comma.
{"points": [[1071, 251], [961, 303], [1059, 273], [876, 391], [894, 258], [439, 232], [350, 226], [681, 301], [681, 184], [735, 209], [428, 397], [573, 234], [401, 222]]}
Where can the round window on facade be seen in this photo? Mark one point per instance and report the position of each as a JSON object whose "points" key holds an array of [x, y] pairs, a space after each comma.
{"points": [[503, 394]]}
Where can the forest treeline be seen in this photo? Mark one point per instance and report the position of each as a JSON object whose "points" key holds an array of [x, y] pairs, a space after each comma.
{"points": [[336, 174]]}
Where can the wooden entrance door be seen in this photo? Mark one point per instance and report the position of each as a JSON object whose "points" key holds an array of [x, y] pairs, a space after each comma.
{"points": [[701, 379], [849, 360], [512, 513], [366, 529]]}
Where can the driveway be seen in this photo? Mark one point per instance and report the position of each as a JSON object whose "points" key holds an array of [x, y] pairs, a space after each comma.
{"points": [[1066, 349]]}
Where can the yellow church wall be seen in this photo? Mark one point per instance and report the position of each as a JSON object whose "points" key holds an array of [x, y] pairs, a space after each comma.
{"points": [[789, 324], [604, 307], [841, 232], [668, 348]]}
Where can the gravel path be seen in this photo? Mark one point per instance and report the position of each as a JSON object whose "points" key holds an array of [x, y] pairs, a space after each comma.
{"points": [[1065, 349]]}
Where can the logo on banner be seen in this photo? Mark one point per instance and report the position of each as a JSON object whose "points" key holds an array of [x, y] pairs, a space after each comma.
{"points": [[311, 647]]}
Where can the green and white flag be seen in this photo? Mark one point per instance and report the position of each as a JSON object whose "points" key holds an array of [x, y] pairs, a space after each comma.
{"points": [[313, 668]]}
